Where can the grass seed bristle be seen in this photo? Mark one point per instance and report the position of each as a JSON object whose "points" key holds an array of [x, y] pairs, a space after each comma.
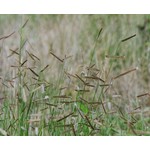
{"points": [[56, 57], [115, 57], [25, 23], [44, 68], [89, 122], [7, 36], [34, 72], [141, 95], [65, 117], [128, 38], [80, 79], [122, 74], [61, 96]]}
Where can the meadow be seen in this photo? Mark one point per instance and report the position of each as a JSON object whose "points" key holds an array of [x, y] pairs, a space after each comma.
{"points": [[74, 75]]}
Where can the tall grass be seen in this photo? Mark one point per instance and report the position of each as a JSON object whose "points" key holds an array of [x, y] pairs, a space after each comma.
{"points": [[60, 82]]}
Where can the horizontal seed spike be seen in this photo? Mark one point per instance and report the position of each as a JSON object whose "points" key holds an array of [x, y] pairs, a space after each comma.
{"points": [[65, 117], [145, 94], [7, 36], [122, 74], [128, 38]]}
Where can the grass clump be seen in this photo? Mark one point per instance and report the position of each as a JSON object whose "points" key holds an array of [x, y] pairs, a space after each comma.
{"points": [[40, 98]]}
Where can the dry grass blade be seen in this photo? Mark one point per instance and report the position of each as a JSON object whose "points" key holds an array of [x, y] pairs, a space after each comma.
{"points": [[104, 107], [34, 90], [122, 74], [68, 102], [66, 125], [30, 55], [80, 112], [5, 85], [35, 57], [134, 119], [91, 103], [115, 57], [61, 96], [94, 78], [128, 38], [65, 117], [7, 36], [24, 62], [145, 94], [35, 79], [84, 100], [99, 33], [89, 122], [80, 79], [105, 85], [25, 85], [63, 88], [95, 103], [82, 90], [123, 118], [34, 72], [13, 52], [44, 109], [11, 125], [88, 68], [90, 85], [44, 68], [69, 75], [135, 111], [25, 23], [14, 66], [10, 82], [51, 104], [108, 87], [131, 127], [57, 57], [139, 107]]}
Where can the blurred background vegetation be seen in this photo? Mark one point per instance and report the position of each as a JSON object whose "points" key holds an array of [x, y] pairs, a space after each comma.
{"points": [[76, 35]]}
